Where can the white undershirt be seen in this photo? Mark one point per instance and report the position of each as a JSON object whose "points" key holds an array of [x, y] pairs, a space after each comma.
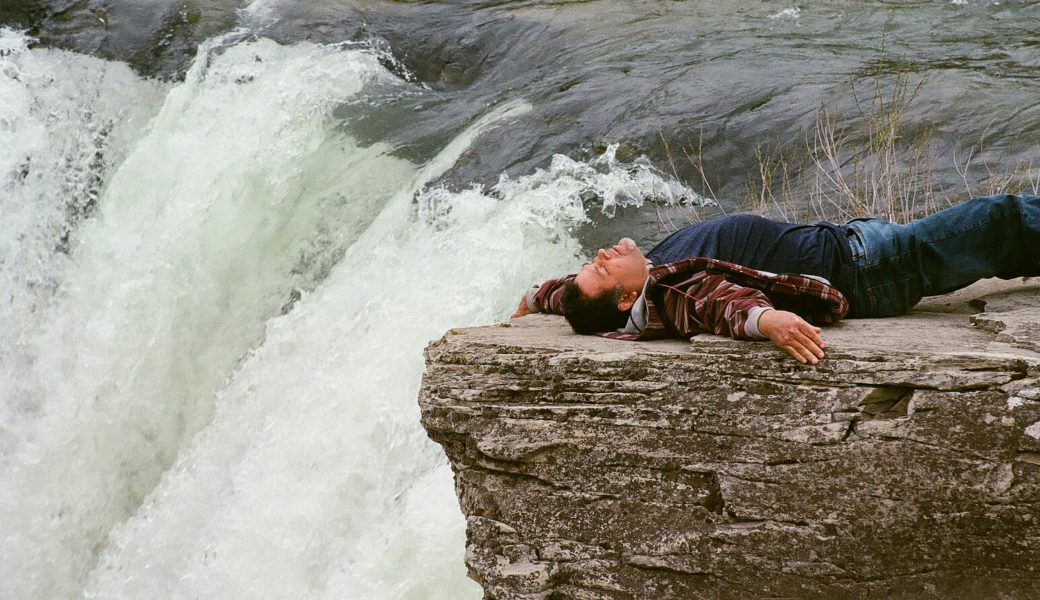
{"points": [[637, 316]]}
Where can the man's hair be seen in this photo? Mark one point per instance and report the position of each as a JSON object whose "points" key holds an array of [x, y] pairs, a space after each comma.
{"points": [[592, 314]]}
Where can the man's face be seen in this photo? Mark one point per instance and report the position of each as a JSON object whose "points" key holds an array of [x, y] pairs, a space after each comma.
{"points": [[622, 264]]}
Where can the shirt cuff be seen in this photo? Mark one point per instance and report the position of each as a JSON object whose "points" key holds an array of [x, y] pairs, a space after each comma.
{"points": [[529, 298], [751, 328]]}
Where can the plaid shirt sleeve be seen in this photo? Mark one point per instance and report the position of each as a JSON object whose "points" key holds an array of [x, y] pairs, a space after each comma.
{"points": [[708, 303], [547, 298]]}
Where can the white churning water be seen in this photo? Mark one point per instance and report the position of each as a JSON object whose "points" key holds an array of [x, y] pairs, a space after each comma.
{"points": [[209, 387]]}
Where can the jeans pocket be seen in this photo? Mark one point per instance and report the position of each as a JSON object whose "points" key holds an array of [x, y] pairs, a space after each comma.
{"points": [[856, 245]]}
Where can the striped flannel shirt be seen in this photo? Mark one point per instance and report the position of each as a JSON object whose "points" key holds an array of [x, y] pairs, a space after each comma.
{"points": [[704, 295]]}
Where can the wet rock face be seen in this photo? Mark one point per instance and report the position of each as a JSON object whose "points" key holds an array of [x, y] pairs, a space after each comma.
{"points": [[23, 14], [590, 468], [157, 38]]}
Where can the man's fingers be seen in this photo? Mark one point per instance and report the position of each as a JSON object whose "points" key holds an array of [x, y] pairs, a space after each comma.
{"points": [[811, 354], [803, 344], [804, 349], [813, 343], [815, 336], [800, 354], [808, 331]]}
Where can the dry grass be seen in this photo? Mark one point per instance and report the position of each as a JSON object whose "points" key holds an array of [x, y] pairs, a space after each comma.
{"points": [[872, 165], [689, 212], [888, 177]]}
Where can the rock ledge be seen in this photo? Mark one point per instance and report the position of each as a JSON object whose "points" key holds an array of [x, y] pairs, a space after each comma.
{"points": [[905, 465]]}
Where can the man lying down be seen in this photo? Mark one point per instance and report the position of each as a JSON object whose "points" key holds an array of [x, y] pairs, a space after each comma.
{"points": [[749, 277]]}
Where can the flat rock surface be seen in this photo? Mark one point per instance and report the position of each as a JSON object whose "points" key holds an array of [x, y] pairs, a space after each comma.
{"points": [[905, 465], [964, 321]]}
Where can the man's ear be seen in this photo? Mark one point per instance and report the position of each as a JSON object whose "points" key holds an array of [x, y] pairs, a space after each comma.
{"points": [[626, 301]]}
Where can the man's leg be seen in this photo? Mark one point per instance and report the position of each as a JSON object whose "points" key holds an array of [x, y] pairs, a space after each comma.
{"points": [[897, 265]]}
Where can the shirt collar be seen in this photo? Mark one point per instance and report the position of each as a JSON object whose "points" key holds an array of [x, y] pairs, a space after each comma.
{"points": [[637, 316]]}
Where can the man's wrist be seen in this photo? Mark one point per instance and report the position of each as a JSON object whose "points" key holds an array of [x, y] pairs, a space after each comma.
{"points": [[752, 329]]}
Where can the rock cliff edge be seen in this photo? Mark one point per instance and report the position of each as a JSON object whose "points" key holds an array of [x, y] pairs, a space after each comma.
{"points": [[905, 465]]}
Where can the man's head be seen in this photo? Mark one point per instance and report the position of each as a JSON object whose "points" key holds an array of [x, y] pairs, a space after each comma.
{"points": [[605, 289]]}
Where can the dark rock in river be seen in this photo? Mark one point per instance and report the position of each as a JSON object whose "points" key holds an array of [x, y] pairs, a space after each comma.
{"points": [[905, 465], [156, 38]]}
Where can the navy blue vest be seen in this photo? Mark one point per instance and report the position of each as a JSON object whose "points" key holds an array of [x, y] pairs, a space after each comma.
{"points": [[759, 243]]}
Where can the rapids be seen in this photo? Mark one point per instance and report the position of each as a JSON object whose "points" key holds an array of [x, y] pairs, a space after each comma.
{"points": [[211, 390]]}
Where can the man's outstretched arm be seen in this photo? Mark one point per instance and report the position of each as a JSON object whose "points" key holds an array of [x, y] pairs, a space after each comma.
{"points": [[710, 303]]}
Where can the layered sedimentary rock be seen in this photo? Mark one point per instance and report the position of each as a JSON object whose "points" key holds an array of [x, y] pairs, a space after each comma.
{"points": [[905, 465]]}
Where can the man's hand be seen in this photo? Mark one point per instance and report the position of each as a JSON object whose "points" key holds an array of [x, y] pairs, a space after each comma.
{"points": [[792, 334], [522, 309]]}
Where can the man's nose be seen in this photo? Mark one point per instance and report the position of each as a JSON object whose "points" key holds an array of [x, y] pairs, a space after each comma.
{"points": [[601, 254]]}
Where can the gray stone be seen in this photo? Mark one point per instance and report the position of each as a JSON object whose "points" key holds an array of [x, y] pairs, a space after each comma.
{"points": [[905, 465]]}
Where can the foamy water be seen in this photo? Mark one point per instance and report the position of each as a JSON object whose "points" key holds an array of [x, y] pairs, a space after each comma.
{"points": [[213, 356]]}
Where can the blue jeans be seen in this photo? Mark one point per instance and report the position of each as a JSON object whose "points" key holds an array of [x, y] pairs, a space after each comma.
{"points": [[896, 265]]}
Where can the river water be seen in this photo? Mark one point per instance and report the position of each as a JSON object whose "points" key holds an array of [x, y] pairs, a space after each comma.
{"points": [[229, 229]]}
